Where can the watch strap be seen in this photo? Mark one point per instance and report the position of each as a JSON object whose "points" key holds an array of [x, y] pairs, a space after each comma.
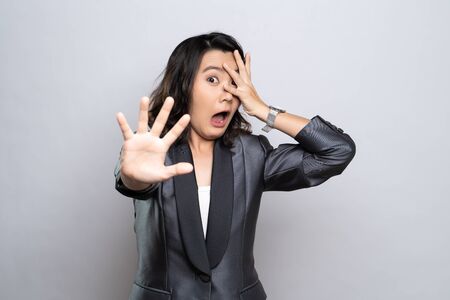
{"points": [[273, 112]]}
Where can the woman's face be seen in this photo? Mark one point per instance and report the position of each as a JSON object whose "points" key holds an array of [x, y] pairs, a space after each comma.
{"points": [[209, 96]]}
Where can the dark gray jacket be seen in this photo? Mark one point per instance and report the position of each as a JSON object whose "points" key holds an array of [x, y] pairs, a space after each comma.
{"points": [[174, 259]]}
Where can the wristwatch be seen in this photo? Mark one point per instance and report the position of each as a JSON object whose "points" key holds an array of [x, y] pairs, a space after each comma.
{"points": [[273, 112]]}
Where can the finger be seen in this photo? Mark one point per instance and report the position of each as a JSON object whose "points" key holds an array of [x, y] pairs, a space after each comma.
{"points": [[162, 117], [235, 75], [179, 169], [176, 130], [143, 115], [247, 65], [231, 89], [240, 63], [127, 133]]}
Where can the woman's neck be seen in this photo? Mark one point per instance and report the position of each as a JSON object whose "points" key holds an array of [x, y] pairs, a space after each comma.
{"points": [[199, 145]]}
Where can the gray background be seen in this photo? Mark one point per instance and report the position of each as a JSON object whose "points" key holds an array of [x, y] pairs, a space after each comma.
{"points": [[380, 70]]}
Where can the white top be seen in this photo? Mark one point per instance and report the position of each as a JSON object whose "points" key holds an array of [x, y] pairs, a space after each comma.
{"points": [[203, 199]]}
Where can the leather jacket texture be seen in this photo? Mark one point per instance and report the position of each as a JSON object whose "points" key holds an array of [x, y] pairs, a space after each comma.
{"points": [[175, 261]]}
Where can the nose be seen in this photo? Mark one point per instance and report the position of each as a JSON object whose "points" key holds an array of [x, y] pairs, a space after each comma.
{"points": [[227, 95]]}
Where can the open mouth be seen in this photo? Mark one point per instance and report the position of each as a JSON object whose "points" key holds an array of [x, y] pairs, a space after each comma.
{"points": [[219, 119]]}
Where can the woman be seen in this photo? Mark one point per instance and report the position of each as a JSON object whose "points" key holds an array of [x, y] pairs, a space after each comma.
{"points": [[196, 173]]}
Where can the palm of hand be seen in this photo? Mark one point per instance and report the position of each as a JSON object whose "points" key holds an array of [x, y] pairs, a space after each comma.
{"points": [[143, 153]]}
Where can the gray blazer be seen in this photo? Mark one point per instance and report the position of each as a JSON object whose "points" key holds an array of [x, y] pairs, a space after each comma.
{"points": [[175, 261]]}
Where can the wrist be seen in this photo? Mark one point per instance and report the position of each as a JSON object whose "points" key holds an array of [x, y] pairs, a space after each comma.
{"points": [[262, 112], [134, 185], [272, 115]]}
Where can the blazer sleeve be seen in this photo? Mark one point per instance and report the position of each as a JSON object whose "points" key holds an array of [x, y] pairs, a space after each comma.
{"points": [[323, 151], [141, 194]]}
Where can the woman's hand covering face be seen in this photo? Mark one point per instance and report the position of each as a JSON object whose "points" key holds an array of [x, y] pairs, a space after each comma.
{"points": [[245, 89]]}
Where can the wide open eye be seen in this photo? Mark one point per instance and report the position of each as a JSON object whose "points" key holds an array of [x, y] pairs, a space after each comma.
{"points": [[208, 79], [211, 77]]}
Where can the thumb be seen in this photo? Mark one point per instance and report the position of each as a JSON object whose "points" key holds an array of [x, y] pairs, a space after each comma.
{"points": [[179, 169]]}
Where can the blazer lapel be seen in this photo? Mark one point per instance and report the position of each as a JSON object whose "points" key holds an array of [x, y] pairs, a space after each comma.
{"points": [[205, 255], [221, 203]]}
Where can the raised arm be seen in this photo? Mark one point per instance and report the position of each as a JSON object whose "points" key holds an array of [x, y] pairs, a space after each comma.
{"points": [[323, 151]]}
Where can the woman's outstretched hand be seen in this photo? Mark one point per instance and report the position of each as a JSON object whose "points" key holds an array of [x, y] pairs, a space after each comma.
{"points": [[144, 152]]}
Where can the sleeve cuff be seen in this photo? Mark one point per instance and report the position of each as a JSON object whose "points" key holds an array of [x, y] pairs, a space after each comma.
{"points": [[319, 134], [140, 194]]}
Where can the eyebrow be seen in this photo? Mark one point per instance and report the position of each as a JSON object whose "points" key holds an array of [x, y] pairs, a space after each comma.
{"points": [[215, 68]]}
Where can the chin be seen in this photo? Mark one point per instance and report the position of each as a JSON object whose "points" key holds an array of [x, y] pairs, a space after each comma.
{"points": [[217, 135]]}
